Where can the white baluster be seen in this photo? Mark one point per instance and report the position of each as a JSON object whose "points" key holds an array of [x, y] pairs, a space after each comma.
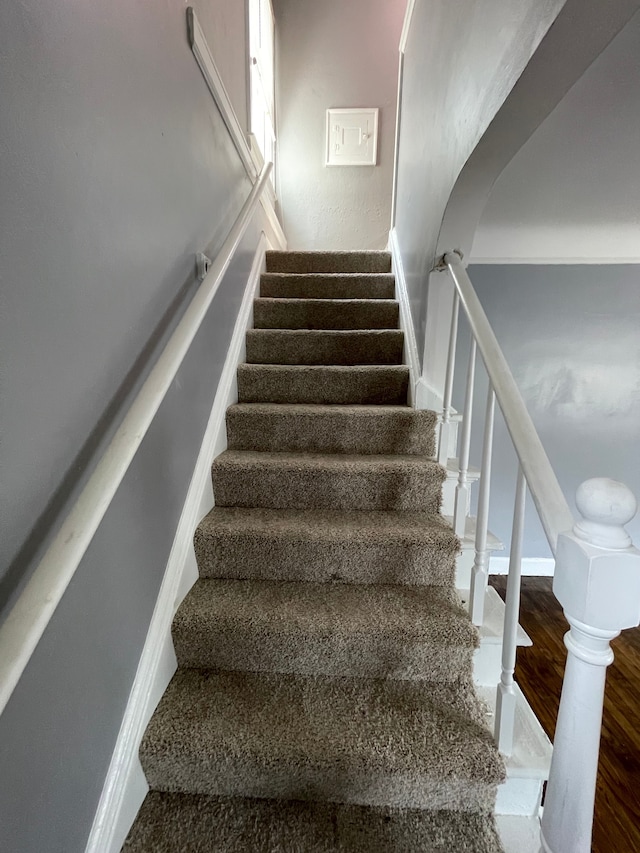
{"points": [[506, 695], [463, 487], [446, 425], [597, 581], [480, 573]]}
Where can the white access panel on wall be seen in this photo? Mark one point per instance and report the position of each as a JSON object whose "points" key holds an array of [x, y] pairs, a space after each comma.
{"points": [[352, 137]]}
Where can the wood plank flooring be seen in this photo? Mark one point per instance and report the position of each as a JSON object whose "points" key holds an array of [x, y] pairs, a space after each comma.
{"points": [[539, 672]]}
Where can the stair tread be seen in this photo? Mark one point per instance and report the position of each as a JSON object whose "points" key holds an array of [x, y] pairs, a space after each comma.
{"points": [[329, 524], [317, 261], [326, 544], [331, 314], [365, 630], [325, 302], [433, 613], [295, 427], [347, 411], [317, 480], [370, 286], [373, 741], [329, 384], [325, 346], [334, 462], [192, 823]]}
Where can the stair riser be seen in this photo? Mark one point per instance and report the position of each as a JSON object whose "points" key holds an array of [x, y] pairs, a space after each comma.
{"points": [[286, 286], [184, 823], [217, 775], [357, 740], [329, 262], [383, 386], [261, 649], [273, 346], [321, 489], [270, 558], [331, 432], [325, 314]]}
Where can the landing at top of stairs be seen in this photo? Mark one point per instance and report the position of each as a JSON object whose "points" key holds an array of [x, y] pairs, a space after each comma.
{"points": [[323, 262]]}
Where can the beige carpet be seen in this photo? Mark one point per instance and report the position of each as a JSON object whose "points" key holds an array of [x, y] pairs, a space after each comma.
{"points": [[323, 700]]}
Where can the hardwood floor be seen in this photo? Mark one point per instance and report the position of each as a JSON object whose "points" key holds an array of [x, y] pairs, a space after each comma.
{"points": [[539, 672]]}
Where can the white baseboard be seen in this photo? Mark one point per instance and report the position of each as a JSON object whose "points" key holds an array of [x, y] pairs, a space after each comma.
{"points": [[411, 357], [531, 566], [125, 786]]}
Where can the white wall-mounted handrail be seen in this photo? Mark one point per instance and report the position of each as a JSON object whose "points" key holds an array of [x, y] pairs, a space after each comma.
{"points": [[552, 507], [30, 615]]}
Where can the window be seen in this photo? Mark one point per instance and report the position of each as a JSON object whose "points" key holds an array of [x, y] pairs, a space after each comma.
{"points": [[261, 48]]}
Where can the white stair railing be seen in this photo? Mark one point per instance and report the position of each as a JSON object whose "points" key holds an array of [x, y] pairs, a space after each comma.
{"points": [[597, 576]]}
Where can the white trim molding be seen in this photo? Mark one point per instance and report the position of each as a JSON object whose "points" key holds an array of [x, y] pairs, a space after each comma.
{"points": [[247, 149], [204, 58], [406, 26], [421, 394], [411, 356], [531, 566], [125, 786]]}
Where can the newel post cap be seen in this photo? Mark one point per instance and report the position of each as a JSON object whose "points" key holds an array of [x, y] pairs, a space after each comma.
{"points": [[597, 577], [605, 506]]}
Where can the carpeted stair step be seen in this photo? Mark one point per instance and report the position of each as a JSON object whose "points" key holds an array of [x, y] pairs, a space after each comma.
{"points": [[326, 545], [325, 629], [331, 385], [302, 346], [379, 742], [323, 481], [325, 314], [315, 262], [191, 823], [298, 428], [327, 285]]}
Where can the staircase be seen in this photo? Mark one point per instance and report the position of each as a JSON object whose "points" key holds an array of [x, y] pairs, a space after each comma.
{"points": [[324, 697]]}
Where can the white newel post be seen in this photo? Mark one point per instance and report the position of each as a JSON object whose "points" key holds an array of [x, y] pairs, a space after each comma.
{"points": [[597, 581]]}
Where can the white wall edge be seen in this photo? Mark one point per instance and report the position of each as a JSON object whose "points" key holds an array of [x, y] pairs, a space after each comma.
{"points": [[278, 237], [577, 261], [406, 26], [125, 786], [210, 72], [531, 566], [406, 321]]}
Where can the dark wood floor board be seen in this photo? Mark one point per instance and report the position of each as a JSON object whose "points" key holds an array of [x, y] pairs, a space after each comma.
{"points": [[539, 672]]}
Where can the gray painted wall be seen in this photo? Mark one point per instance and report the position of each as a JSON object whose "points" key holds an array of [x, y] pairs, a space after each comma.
{"points": [[462, 59], [116, 169], [335, 54], [573, 190], [226, 27], [570, 336]]}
